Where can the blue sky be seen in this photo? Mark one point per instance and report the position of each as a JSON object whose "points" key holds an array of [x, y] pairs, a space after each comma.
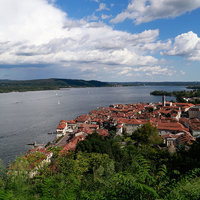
{"points": [[115, 40]]}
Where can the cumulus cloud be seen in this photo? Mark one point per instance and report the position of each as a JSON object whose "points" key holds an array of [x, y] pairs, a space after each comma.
{"points": [[155, 70], [105, 16], [92, 17], [34, 21], [88, 43], [141, 11], [102, 6], [147, 71], [35, 32], [186, 45]]}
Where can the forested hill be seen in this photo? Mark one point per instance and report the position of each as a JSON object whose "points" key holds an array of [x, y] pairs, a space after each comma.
{"points": [[47, 84], [56, 84]]}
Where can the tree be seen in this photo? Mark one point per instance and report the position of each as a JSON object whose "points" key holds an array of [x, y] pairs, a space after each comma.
{"points": [[97, 144], [147, 134]]}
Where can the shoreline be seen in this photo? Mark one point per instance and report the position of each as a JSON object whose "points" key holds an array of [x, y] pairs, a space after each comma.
{"points": [[52, 128], [64, 88], [110, 118]]}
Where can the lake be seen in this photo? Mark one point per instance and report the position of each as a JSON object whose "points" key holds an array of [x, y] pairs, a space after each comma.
{"points": [[28, 116]]}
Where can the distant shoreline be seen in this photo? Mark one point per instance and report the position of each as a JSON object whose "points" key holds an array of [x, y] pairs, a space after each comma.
{"points": [[38, 90], [7, 86]]}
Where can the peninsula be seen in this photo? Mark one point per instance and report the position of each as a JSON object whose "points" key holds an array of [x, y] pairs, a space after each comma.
{"points": [[142, 150]]}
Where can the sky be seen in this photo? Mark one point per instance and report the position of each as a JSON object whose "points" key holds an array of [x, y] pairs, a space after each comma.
{"points": [[106, 40]]}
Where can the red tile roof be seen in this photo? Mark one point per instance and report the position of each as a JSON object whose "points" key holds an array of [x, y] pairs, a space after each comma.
{"points": [[93, 126], [82, 118], [194, 124], [119, 126], [61, 126], [185, 138], [71, 122], [183, 104], [171, 126], [102, 132], [71, 146], [181, 138], [85, 130], [63, 121]]}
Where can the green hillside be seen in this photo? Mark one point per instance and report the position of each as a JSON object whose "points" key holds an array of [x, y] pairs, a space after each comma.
{"points": [[46, 84], [110, 168]]}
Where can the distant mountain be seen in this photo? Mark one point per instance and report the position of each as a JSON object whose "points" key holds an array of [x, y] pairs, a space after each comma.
{"points": [[47, 84]]}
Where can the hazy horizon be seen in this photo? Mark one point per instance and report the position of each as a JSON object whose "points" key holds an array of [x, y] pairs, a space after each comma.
{"points": [[102, 81]]}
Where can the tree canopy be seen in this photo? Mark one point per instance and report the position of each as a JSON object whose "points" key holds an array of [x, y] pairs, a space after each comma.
{"points": [[109, 168], [147, 134]]}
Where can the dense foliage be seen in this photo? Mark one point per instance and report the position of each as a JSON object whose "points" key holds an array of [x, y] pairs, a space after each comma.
{"points": [[147, 134], [179, 94], [114, 167]]}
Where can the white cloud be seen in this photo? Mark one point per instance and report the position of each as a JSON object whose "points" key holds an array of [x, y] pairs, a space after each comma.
{"points": [[141, 11], [125, 71], [102, 6], [182, 72], [86, 42], [155, 70], [35, 21], [36, 32], [186, 45], [52, 1], [93, 17], [146, 71], [105, 16]]}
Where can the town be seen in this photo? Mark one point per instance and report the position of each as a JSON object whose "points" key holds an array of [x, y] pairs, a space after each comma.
{"points": [[177, 123]]}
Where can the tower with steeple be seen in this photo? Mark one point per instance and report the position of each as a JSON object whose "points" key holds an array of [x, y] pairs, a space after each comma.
{"points": [[163, 100]]}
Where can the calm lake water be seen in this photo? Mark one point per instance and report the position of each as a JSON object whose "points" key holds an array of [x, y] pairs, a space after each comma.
{"points": [[28, 117]]}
